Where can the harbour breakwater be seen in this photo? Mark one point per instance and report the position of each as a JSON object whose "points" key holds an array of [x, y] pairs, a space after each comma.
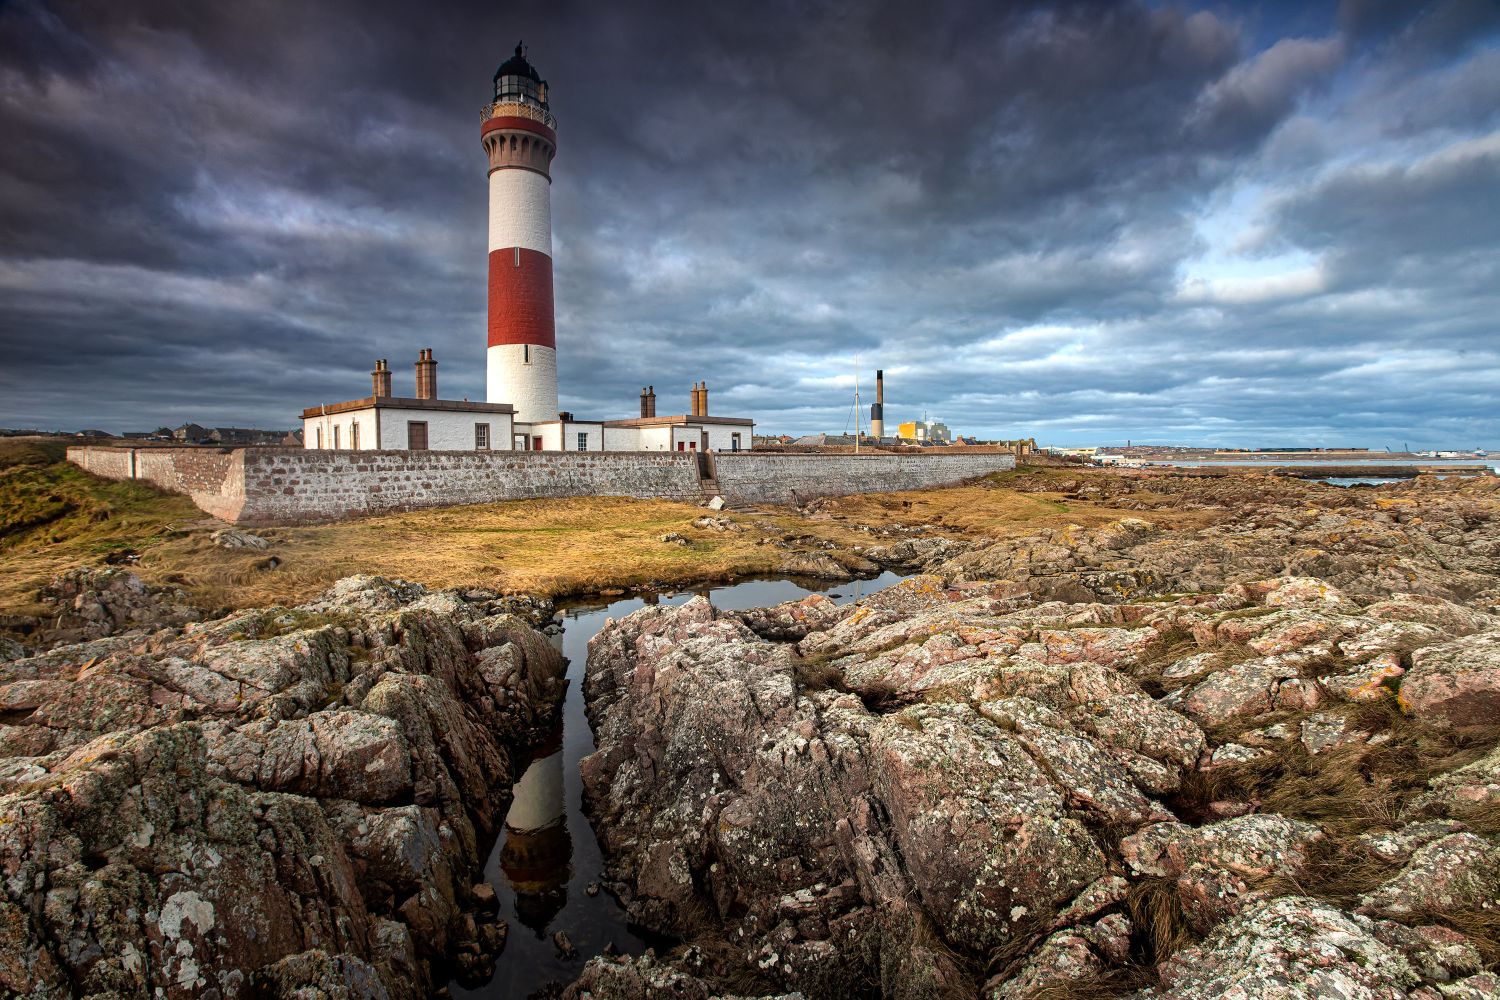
{"points": [[266, 486]]}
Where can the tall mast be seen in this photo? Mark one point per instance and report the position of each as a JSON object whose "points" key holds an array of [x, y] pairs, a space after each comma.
{"points": [[856, 404]]}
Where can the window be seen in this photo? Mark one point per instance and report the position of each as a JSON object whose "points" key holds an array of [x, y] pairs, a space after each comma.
{"points": [[734, 442], [525, 354], [536, 443], [354, 436], [692, 446], [521, 89], [318, 434], [335, 437], [518, 442], [681, 446], [583, 441], [481, 437], [416, 435]]}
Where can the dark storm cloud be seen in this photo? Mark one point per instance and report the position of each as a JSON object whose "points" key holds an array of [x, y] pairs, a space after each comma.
{"points": [[225, 212]]}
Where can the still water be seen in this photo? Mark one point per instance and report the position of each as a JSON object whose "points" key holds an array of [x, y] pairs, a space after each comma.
{"points": [[1361, 480], [547, 857]]}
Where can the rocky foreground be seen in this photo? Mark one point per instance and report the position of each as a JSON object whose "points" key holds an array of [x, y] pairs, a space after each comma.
{"points": [[1241, 743], [1255, 759], [282, 802]]}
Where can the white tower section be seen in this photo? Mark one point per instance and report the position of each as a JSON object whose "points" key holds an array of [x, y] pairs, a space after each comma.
{"points": [[519, 137]]}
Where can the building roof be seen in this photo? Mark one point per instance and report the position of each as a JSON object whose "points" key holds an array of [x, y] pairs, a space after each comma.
{"points": [[401, 403], [681, 419], [517, 65]]}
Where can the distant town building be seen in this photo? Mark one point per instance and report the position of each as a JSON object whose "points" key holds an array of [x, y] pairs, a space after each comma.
{"points": [[924, 432], [237, 437]]}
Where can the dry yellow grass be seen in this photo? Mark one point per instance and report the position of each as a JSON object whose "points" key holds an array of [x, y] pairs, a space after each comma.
{"points": [[547, 547], [54, 516]]}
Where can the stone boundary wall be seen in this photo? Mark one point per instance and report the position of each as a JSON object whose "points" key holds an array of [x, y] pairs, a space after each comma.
{"points": [[284, 487], [756, 477], [263, 486], [212, 477]]}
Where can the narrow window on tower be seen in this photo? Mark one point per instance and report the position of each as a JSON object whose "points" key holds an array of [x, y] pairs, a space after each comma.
{"points": [[525, 354], [518, 256]]}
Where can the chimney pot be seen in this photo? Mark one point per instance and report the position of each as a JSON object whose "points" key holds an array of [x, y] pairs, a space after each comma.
{"points": [[380, 380], [426, 375]]}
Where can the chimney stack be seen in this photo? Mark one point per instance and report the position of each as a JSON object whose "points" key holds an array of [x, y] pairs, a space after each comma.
{"points": [[693, 406], [650, 400], [877, 410], [644, 407], [426, 375], [703, 400], [380, 379]]}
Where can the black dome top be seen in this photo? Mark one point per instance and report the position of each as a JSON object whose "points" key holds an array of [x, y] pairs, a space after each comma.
{"points": [[517, 65]]}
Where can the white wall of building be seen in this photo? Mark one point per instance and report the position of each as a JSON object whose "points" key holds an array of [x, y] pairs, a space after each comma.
{"points": [[520, 211], [523, 376], [447, 430], [551, 435], [656, 439], [721, 436], [595, 440], [345, 423], [622, 439]]}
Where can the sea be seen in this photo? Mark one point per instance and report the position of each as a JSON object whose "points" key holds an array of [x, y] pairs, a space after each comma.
{"points": [[1461, 467]]}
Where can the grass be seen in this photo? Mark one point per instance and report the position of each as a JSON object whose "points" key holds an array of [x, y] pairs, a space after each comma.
{"points": [[54, 516], [1355, 788], [1358, 789]]}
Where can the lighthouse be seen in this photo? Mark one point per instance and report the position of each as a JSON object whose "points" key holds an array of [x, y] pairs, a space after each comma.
{"points": [[520, 138]]}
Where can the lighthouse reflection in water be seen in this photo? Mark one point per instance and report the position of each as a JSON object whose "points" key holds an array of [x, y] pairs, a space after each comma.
{"points": [[547, 868], [536, 853]]}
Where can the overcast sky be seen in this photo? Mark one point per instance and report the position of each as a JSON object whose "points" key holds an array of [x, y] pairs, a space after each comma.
{"points": [[1224, 224]]}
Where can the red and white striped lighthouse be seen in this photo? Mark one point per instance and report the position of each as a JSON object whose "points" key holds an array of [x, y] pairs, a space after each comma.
{"points": [[520, 137]]}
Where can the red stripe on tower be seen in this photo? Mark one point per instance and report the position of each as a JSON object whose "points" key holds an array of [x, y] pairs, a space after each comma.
{"points": [[519, 136], [521, 298]]}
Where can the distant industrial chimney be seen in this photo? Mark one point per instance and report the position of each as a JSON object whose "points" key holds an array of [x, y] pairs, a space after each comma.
{"points": [[426, 375], [877, 409], [380, 379]]}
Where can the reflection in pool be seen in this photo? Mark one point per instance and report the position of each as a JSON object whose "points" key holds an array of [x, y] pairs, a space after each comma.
{"points": [[547, 860]]}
